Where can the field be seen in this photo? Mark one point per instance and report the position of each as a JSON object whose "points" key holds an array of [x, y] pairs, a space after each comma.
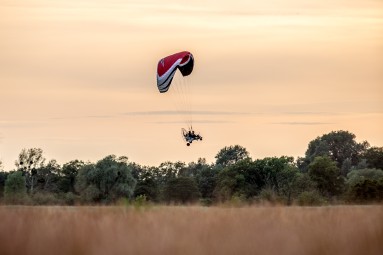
{"points": [[191, 230]]}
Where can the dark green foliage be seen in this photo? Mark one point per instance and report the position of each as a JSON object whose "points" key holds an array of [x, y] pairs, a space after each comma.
{"points": [[338, 145], [334, 167], [359, 175], [247, 178], [68, 198], [3, 177], [310, 198], [45, 198], [230, 181], [287, 182], [271, 168], [206, 180], [324, 172], [374, 157], [268, 195], [49, 198], [181, 190], [68, 175], [15, 191], [147, 184], [140, 201], [106, 181], [303, 183], [152, 181], [365, 185], [231, 155], [46, 178], [367, 191], [277, 175], [193, 169], [346, 167], [168, 171]]}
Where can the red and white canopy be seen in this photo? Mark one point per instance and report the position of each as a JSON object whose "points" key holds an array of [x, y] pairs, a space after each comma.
{"points": [[168, 66]]}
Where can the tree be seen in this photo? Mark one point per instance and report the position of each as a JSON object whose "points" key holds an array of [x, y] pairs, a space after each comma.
{"points": [[303, 183], [357, 176], [253, 177], [47, 177], [106, 181], [15, 190], [346, 167], [230, 182], [3, 178], [365, 185], [287, 182], [147, 184], [30, 159], [193, 168], [338, 145], [231, 155], [246, 178], [324, 172], [279, 176], [206, 179], [374, 157], [68, 175], [367, 190], [28, 162], [271, 167], [181, 190], [168, 171]]}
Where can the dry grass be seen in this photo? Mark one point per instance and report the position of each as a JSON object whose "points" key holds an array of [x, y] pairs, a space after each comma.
{"points": [[191, 230]]}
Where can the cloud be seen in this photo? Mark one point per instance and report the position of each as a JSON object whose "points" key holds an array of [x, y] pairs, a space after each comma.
{"points": [[298, 123], [156, 113], [21, 124], [84, 117], [144, 113], [309, 113], [194, 121], [196, 113], [100, 116]]}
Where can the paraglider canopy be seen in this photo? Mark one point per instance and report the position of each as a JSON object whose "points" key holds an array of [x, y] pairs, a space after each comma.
{"points": [[167, 67]]}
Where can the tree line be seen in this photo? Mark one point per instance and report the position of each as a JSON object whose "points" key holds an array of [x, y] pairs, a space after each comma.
{"points": [[335, 169]]}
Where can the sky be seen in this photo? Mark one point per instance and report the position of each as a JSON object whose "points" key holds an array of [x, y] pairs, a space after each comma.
{"points": [[78, 77]]}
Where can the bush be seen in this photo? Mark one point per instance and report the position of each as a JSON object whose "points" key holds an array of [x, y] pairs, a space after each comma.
{"points": [[70, 198], [67, 198], [237, 200], [366, 190], [206, 201], [15, 191], [140, 201], [45, 198], [17, 199], [181, 190], [268, 195], [310, 198], [357, 176]]}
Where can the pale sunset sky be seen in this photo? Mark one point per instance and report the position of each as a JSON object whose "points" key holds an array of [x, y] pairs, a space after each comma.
{"points": [[78, 77]]}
